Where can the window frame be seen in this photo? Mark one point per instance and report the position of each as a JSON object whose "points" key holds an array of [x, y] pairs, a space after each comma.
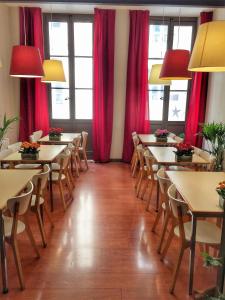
{"points": [[177, 126], [70, 19]]}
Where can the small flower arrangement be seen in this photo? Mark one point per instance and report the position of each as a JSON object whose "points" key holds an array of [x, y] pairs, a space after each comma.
{"points": [[184, 152], [29, 151], [55, 133], [161, 133]]}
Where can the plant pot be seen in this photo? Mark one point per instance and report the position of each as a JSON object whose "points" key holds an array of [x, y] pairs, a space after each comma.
{"points": [[161, 139], [30, 156], [184, 158], [54, 137]]}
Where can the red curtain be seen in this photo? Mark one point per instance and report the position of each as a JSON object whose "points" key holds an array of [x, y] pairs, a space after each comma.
{"points": [[104, 37], [33, 93], [198, 98], [137, 112]]}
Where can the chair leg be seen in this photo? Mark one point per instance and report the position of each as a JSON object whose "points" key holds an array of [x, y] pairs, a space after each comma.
{"points": [[149, 196], [177, 267], [144, 188], [30, 236], [135, 167], [62, 195], [162, 236], [158, 216], [139, 184], [18, 263], [41, 227], [48, 214], [168, 242], [85, 158], [69, 186], [76, 166], [138, 179]]}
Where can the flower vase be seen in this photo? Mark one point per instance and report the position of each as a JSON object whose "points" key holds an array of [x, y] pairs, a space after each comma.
{"points": [[30, 156], [183, 158], [54, 137], [221, 202], [162, 139]]}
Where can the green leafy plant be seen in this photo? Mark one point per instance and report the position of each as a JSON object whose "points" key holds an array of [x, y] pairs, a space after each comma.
{"points": [[214, 133], [5, 126]]}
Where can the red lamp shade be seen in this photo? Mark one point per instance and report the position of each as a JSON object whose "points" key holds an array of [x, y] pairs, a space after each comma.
{"points": [[175, 65], [26, 62]]}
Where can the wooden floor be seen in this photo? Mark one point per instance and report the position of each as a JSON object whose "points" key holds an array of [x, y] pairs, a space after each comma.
{"points": [[102, 248]]}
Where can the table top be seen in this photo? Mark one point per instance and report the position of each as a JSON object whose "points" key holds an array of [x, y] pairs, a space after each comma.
{"points": [[150, 140], [198, 189], [166, 156], [66, 138], [12, 182], [47, 154]]}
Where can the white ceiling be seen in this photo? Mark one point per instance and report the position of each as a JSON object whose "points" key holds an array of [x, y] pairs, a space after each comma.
{"points": [[89, 8]]}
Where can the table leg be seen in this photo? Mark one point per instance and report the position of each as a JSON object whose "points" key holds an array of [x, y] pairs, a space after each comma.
{"points": [[50, 188], [192, 255], [3, 256]]}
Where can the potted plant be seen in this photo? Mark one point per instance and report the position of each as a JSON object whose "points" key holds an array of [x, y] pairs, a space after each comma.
{"points": [[184, 152], [161, 135], [5, 126], [55, 134], [29, 151], [214, 133]]}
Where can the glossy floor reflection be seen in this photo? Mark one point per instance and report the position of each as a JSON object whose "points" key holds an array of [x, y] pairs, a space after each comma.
{"points": [[102, 248]]}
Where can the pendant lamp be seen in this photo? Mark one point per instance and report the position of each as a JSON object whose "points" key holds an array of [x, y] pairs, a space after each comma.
{"points": [[208, 54], [175, 65], [154, 76], [26, 60], [53, 70]]}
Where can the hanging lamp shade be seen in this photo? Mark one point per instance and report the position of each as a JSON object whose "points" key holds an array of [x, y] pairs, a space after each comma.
{"points": [[175, 65], [26, 62], [154, 76], [53, 70], [208, 54]]}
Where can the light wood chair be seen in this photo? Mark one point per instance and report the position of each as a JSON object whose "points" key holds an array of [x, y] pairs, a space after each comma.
{"points": [[134, 133], [142, 168], [164, 209], [178, 139], [209, 158], [76, 156], [172, 135], [15, 147], [207, 233], [3, 154], [4, 144], [134, 160], [82, 148], [38, 200], [61, 176], [35, 136], [18, 208]]}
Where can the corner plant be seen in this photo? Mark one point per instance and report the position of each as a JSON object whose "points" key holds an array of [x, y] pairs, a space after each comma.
{"points": [[5, 126], [215, 134]]}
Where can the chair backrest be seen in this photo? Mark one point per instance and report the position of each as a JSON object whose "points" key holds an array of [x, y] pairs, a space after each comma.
{"points": [[140, 155], [15, 147], [37, 135], [178, 206], [149, 160], [133, 133], [32, 138], [4, 144], [40, 180], [84, 139], [172, 135], [22, 201], [5, 153], [136, 140], [209, 158], [164, 181], [178, 139], [76, 142], [64, 159]]}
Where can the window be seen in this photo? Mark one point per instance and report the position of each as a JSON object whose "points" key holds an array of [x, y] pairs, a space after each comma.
{"points": [[167, 104], [70, 39]]}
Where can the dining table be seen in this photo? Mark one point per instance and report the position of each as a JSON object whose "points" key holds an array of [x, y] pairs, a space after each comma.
{"points": [[47, 155], [198, 190], [150, 140], [12, 182], [65, 139]]}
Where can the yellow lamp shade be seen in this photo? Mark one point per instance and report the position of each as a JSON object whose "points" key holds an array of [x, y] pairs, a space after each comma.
{"points": [[154, 76], [53, 70], [208, 54]]}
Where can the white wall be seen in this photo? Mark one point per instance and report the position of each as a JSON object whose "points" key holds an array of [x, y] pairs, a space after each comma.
{"points": [[9, 93], [120, 74], [215, 110]]}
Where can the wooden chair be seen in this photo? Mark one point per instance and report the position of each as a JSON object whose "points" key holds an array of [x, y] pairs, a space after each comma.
{"points": [[172, 135], [178, 139], [38, 200], [82, 148], [142, 168], [35, 136], [133, 134], [15, 147], [18, 207], [76, 156], [207, 233], [4, 144], [134, 160], [209, 158], [164, 209], [61, 176], [3, 154]]}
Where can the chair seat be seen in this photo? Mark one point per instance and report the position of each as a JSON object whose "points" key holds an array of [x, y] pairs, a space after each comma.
{"points": [[206, 232], [8, 222], [27, 166], [55, 176], [179, 168], [33, 200], [55, 166]]}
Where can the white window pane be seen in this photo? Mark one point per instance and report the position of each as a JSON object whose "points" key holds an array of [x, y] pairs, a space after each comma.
{"points": [[83, 39], [58, 37], [179, 85], [185, 35], [83, 72], [157, 40], [152, 62], [83, 104], [60, 104], [66, 71], [156, 105], [177, 106]]}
